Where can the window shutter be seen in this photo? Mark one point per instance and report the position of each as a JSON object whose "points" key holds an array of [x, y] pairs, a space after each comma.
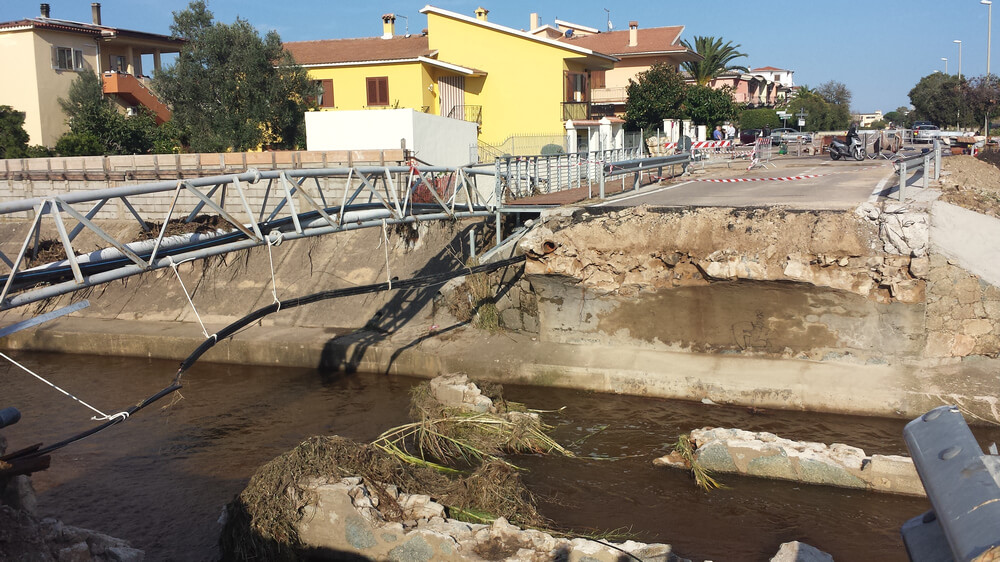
{"points": [[55, 57], [327, 100], [372, 91], [383, 84], [78, 59]]}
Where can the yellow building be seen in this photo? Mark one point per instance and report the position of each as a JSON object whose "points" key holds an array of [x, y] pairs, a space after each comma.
{"points": [[46, 55], [464, 67]]}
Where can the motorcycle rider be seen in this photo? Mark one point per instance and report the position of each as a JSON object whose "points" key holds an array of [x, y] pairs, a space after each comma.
{"points": [[852, 133]]}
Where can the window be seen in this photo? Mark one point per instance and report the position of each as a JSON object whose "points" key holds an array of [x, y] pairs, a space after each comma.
{"points": [[324, 96], [378, 90], [576, 87], [118, 64], [65, 58]]}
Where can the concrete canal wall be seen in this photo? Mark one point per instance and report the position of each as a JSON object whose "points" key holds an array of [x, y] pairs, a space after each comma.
{"points": [[825, 311]]}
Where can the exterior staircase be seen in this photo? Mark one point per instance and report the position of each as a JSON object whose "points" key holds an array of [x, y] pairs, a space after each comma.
{"points": [[133, 91]]}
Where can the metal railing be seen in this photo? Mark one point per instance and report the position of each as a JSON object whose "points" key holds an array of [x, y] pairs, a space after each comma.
{"points": [[525, 176], [609, 95], [521, 144], [288, 206], [922, 162], [471, 113], [575, 110]]}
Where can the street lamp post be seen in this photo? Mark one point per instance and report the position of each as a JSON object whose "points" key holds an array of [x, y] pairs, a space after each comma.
{"points": [[958, 112], [945, 64], [959, 41], [989, 29]]}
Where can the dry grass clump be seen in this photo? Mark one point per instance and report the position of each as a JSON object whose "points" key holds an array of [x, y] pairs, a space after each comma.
{"points": [[474, 301], [260, 523], [431, 456], [443, 437], [702, 476]]}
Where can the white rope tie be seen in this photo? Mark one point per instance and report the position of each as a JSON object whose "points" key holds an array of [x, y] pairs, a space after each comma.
{"points": [[102, 416], [274, 287], [173, 266], [385, 237]]}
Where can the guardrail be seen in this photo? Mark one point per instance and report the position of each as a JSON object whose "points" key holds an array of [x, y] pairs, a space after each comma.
{"points": [[639, 165], [963, 486], [919, 162], [524, 176]]}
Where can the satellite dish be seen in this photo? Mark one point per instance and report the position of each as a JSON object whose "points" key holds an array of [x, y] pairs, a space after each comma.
{"points": [[569, 33]]}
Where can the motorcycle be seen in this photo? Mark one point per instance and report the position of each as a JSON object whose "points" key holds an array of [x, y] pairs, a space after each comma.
{"points": [[839, 149]]}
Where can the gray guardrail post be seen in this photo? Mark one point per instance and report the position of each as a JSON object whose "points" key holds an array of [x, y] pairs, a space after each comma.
{"points": [[963, 486], [927, 169], [937, 160], [902, 178]]}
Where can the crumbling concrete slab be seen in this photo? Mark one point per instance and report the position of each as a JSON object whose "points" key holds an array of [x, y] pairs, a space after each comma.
{"points": [[765, 455]]}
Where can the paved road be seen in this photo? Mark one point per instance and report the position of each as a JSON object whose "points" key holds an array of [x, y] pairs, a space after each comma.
{"points": [[838, 185]]}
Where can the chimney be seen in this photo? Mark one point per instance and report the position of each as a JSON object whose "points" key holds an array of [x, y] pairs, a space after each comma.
{"points": [[633, 33], [45, 10], [388, 26], [95, 12], [534, 21], [481, 13]]}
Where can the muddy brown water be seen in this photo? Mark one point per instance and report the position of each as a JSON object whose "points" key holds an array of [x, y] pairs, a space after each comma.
{"points": [[161, 479]]}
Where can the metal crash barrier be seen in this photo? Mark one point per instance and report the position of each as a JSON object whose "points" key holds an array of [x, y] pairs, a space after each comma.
{"points": [[906, 166], [637, 166], [963, 486]]}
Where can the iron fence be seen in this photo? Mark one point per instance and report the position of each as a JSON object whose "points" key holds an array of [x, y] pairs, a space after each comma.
{"points": [[524, 176]]}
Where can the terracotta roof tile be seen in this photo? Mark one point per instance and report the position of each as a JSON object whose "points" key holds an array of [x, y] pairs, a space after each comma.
{"points": [[358, 50], [653, 39], [766, 69], [85, 28]]}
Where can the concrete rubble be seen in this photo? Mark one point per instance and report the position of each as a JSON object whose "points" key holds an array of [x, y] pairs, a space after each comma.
{"points": [[765, 455], [345, 518], [26, 535], [455, 391]]}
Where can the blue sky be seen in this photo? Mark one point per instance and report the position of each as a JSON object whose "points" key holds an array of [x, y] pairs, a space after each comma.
{"points": [[878, 48]]}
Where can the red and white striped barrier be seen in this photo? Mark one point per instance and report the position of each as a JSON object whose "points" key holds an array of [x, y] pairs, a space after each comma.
{"points": [[785, 178], [711, 144]]}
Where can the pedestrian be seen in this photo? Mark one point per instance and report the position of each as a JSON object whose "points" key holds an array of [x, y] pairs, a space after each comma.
{"points": [[730, 131], [717, 134]]}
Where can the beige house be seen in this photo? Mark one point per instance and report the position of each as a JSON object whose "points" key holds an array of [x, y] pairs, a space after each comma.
{"points": [[637, 50], [43, 55]]}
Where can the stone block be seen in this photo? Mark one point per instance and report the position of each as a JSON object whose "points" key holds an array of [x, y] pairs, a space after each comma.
{"points": [[510, 318], [962, 345], [800, 552], [978, 327], [777, 466], [816, 471], [893, 473], [938, 344], [920, 267], [716, 457]]}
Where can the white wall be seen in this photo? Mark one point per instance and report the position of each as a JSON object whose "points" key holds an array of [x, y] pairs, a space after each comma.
{"points": [[439, 141]]}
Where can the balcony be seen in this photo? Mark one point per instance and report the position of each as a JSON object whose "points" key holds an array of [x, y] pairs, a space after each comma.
{"points": [[609, 95], [575, 110], [471, 113], [133, 91]]}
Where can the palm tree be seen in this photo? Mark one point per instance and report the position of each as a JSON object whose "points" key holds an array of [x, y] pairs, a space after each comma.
{"points": [[717, 59]]}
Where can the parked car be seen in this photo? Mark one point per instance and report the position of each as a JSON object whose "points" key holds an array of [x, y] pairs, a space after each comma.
{"points": [[787, 134], [748, 136], [924, 132]]}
